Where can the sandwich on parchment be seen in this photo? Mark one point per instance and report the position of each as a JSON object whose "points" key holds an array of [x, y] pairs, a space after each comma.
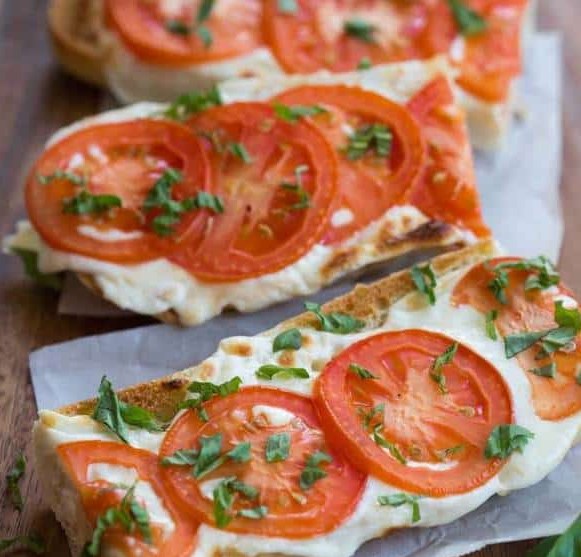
{"points": [[405, 403], [158, 49], [255, 192]]}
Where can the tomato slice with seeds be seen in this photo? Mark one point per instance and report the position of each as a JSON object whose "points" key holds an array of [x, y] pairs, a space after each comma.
{"points": [[533, 310], [98, 495], [123, 160], [232, 28], [372, 184], [277, 181], [339, 34], [244, 417], [447, 188], [441, 437]]}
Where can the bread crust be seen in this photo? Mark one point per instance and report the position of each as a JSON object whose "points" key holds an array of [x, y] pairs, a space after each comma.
{"points": [[368, 302], [78, 37]]}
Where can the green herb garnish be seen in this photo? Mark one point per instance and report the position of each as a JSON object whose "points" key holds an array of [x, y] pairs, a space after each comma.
{"points": [[192, 103], [425, 282], [469, 22], [361, 372], [506, 439], [206, 390], [399, 499], [335, 322], [278, 447], [370, 137], [29, 259], [273, 372], [12, 478], [287, 340], [436, 371], [293, 113], [312, 471], [360, 29]]}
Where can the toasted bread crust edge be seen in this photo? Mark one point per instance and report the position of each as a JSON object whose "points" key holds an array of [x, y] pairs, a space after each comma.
{"points": [[368, 302], [77, 34]]}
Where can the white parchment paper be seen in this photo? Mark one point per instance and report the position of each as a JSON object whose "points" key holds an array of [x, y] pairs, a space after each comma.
{"points": [[520, 195], [519, 185]]}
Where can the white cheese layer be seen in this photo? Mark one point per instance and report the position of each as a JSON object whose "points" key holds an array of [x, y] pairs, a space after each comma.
{"points": [[542, 454], [158, 286]]}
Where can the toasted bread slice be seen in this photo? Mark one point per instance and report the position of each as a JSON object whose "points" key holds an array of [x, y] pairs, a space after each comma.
{"points": [[84, 47], [371, 303]]}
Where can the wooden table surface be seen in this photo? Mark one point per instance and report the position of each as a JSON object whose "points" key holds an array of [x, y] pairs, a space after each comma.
{"points": [[36, 99]]}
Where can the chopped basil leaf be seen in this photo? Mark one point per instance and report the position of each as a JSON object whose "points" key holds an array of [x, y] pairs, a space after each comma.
{"points": [[278, 447], [304, 199], [205, 200], [192, 103], [12, 479], [498, 285], [205, 35], [544, 276], [569, 326], [364, 64], [287, 340], [376, 137], [578, 378], [436, 372], [116, 415], [292, 113], [381, 441], [506, 439], [240, 151], [287, 6], [545, 371], [362, 372], [108, 410], [469, 22], [335, 322], [32, 543], [29, 259], [567, 317], [425, 282], [270, 372], [565, 545], [178, 27], [491, 317], [205, 10], [210, 457], [183, 457], [360, 29], [399, 499], [313, 471], [255, 513], [223, 495], [62, 175], [240, 453], [128, 515], [205, 391], [85, 203], [519, 342], [159, 197]]}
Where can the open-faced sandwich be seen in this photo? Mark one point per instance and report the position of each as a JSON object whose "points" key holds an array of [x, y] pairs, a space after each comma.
{"points": [[158, 49], [255, 192], [408, 402]]}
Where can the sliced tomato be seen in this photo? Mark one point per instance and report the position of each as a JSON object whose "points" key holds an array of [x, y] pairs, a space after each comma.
{"points": [[317, 36], [277, 181], [447, 188], [493, 58], [98, 495], [233, 28], [124, 160], [532, 310], [293, 512], [369, 186], [440, 437]]}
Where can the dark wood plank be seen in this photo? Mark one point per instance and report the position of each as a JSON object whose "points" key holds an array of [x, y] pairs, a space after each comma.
{"points": [[35, 99]]}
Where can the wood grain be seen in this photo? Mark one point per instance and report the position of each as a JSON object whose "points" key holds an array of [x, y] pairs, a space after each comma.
{"points": [[35, 99]]}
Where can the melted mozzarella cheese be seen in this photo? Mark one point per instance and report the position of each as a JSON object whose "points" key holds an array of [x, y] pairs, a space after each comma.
{"points": [[275, 416], [541, 455]]}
